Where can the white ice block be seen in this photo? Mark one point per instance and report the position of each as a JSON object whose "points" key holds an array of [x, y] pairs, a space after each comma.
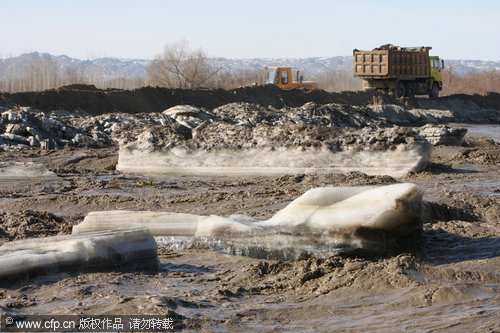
{"points": [[395, 162], [393, 208], [128, 248], [159, 223]]}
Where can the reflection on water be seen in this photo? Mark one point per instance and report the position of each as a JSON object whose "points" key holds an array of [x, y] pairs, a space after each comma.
{"points": [[481, 131]]}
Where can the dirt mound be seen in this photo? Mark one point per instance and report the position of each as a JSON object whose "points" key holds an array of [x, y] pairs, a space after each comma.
{"points": [[479, 156], [354, 178], [315, 276], [487, 100], [148, 99], [29, 224], [478, 151]]}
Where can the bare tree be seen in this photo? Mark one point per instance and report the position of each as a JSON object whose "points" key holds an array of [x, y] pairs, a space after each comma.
{"points": [[72, 75], [179, 67], [3, 81]]}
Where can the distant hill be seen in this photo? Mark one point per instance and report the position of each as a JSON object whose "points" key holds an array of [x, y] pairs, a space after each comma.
{"points": [[311, 66], [112, 68], [462, 67], [314, 66]]}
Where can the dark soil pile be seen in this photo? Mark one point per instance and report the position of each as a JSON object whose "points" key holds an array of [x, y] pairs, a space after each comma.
{"points": [[148, 99]]}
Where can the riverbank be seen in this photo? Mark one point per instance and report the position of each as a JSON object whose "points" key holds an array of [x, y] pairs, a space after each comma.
{"points": [[447, 280]]}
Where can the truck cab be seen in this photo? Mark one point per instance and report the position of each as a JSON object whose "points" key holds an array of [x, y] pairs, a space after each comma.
{"points": [[435, 83], [282, 77]]}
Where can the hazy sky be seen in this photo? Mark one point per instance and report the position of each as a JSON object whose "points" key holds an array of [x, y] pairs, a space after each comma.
{"points": [[247, 29]]}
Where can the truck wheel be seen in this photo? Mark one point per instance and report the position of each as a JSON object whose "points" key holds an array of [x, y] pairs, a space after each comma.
{"points": [[400, 90], [410, 89], [434, 92]]}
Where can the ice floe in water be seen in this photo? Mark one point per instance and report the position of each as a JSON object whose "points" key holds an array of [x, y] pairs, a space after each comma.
{"points": [[321, 222], [274, 161]]}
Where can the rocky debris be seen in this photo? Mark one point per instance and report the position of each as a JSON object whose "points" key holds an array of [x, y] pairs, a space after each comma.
{"points": [[334, 138], [234, 125], [26, 126], [244, 125], [443, 135], [186, 115], [249, 138], [382, 138]]}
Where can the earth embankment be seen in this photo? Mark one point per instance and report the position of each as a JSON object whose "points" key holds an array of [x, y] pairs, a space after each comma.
{"points": [[155, 99]]}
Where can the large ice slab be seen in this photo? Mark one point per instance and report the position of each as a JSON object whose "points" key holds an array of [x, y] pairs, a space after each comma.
{"points": [[396, 162], [129, 248], [322, 222], [394, 208]]}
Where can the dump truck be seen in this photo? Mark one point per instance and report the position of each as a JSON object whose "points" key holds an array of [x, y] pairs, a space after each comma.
{"points": [[282, 77], [405, 71]]}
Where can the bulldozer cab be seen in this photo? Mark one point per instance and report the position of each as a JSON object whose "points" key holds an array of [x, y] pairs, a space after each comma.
{"points": [[282, 77], [278, 75], [271, 75]]}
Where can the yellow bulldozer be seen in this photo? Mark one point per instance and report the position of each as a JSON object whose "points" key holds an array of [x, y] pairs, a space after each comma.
{"points": [[282, 77]]}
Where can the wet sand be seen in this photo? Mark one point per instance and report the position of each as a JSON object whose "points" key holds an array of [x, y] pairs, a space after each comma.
{"points": [[448, 281]]}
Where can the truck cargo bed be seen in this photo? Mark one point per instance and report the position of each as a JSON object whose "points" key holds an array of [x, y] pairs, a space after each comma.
{"points": [[392, 64]]}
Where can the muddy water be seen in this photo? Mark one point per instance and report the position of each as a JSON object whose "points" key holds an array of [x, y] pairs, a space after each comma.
{"points": [[222, 293], [482, 131], [447, 281]]}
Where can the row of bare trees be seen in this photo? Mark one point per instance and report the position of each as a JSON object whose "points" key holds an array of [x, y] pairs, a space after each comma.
{"points": [[338, 80], [39, 74], [470, 83], [44, 73], [180, 67]]}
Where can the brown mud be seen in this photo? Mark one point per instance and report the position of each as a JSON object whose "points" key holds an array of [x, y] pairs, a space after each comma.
{"points": [[448, 281], [445, 280]]}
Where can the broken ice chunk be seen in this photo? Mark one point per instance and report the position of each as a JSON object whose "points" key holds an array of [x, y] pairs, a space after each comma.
{"points": [[130, 248]]}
